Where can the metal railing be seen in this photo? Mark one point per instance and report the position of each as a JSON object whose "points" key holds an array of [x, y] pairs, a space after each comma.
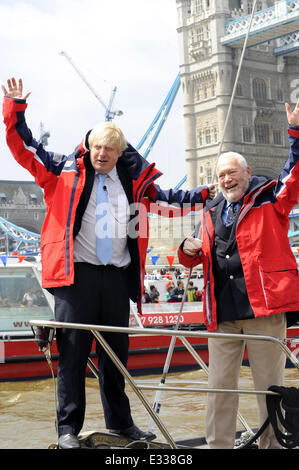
{"points": [[182, 335]]}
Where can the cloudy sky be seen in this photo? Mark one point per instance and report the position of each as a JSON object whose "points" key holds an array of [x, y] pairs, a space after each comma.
{"points": [[130, 44]]}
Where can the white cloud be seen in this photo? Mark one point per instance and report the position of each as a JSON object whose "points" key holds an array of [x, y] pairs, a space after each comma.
{"points": [[129, 44]]}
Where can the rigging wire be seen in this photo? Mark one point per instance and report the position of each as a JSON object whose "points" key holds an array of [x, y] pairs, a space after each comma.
{"points": [[234, 88]]}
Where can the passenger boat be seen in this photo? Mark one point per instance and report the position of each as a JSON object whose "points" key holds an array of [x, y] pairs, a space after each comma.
{"points": [[22, 299]]}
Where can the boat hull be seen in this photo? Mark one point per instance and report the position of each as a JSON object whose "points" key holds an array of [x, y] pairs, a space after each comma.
{"points": [[147, 355]]}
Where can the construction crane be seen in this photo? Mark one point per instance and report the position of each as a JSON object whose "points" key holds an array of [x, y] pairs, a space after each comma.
{"points": [[156, 126], [109, 114], [43, 135]]}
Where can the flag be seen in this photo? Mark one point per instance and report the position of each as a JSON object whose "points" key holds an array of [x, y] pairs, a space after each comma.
{"points": [[170, 260]]}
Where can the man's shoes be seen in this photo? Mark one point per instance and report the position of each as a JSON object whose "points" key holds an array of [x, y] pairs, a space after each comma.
{"points": [[134, 433], [68, 441]]}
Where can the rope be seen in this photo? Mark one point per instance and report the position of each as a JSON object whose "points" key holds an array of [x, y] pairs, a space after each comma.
{"points": [[287, 399], [248, 443], [43, 337], [47, 352]]}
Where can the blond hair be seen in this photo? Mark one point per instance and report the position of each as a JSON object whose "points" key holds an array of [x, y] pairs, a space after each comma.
{"points": [[109, 135]]}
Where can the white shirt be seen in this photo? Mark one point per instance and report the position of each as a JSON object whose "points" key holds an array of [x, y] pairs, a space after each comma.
{"points": [[85, 241]]}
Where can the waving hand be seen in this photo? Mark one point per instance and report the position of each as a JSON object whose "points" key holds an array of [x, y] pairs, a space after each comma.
{"points": [[14, 89]]}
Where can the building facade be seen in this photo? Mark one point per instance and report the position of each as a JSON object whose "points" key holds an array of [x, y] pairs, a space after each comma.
{"points": [[22, 203], [257, 127]]}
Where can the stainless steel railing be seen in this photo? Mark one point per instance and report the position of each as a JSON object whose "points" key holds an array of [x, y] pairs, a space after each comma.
{"points": [[182, 335]]}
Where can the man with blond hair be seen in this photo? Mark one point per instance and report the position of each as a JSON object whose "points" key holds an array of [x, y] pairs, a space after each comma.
{"points": [[93, 253]]}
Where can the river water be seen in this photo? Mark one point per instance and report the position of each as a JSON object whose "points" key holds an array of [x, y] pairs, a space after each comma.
{"points": [[27, 409]]}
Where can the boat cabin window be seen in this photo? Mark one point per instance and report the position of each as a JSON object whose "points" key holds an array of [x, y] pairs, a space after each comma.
{"points": [[21, 299]]}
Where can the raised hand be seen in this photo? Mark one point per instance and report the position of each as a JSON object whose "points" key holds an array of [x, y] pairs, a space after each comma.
{"points": [[293, 116], [15, 89]]}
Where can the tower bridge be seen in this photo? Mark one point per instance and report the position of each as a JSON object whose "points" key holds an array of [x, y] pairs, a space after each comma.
{"points": [[288, 44]]}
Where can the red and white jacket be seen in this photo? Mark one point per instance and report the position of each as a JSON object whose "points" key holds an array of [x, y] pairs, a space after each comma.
{"points": [[64, 178], [270, 268]]}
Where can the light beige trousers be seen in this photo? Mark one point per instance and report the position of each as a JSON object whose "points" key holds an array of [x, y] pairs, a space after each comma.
{"points": [[267, 362]]}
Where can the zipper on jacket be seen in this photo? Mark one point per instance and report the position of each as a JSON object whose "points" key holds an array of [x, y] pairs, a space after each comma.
{"points": [[208, 302], [67, 238], [208, 295]]}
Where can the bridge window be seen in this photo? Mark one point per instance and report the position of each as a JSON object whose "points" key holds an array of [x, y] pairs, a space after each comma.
{"points": [[247, 134], [259, 6], [235, 4], [215, 134], [209, 173], [279, 94], [197, 6], [262, 134], [208, 136], [2, 197], [197, 35], [33, 198], [277, 140], [239, 90], [259, 88], [199, 138]]}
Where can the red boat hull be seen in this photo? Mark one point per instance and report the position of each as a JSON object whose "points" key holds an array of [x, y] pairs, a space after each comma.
{"points": [[147, 354], [21, 359]]}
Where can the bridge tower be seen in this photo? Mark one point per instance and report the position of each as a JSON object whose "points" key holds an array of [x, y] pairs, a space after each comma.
{"points": [[208, 67]]}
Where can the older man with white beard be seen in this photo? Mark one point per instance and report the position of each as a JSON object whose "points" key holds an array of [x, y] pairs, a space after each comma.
{"points": [[251, 281]]}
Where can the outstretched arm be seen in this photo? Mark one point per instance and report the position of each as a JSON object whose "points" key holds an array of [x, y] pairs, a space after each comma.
{"points": [[43, 165], [14, 89], [287, 188]]}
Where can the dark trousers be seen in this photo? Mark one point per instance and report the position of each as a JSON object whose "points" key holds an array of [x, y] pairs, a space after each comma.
{"points": [[98, 296]]}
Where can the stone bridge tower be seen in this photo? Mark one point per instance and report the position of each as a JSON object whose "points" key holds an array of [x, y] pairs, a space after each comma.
{"points": [[257, 125]]}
